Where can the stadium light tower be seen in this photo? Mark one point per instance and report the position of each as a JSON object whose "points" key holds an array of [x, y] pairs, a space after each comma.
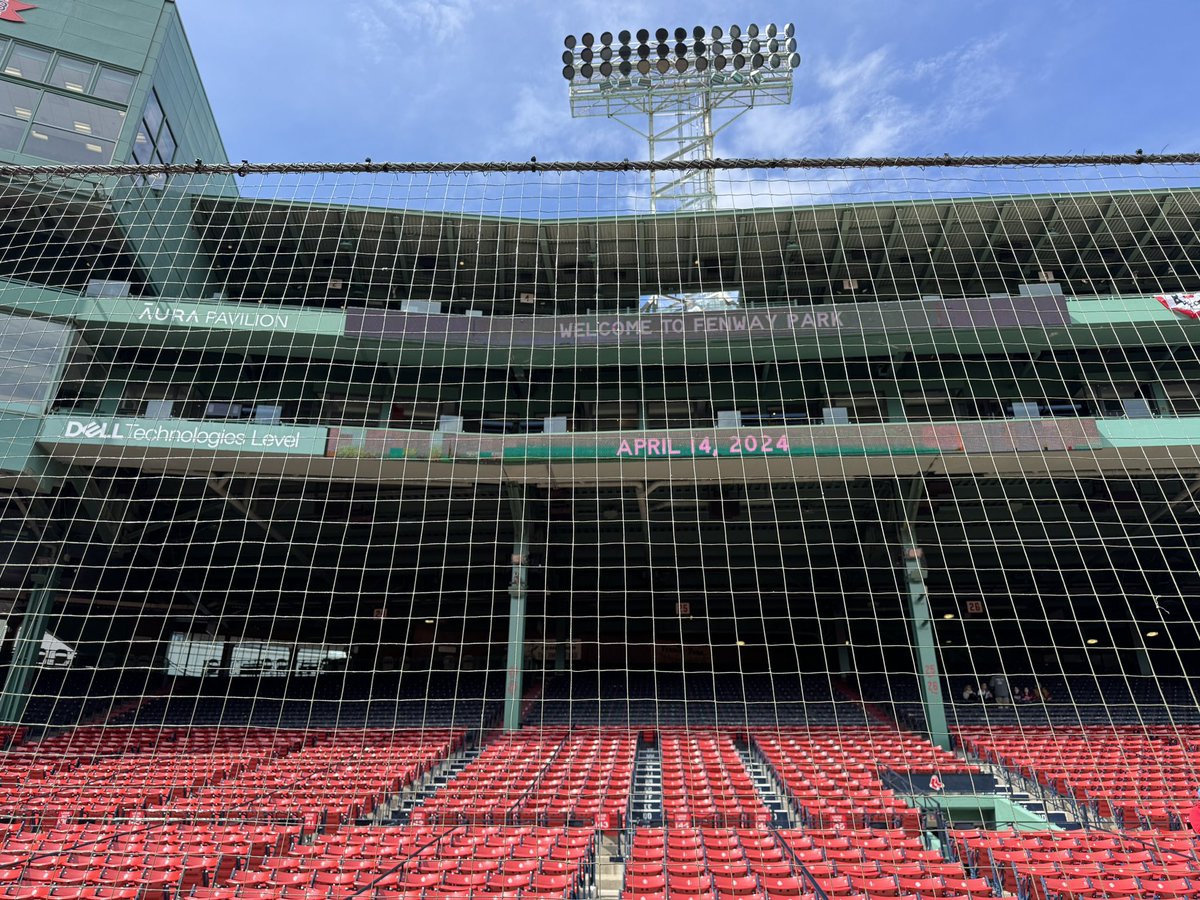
{"points": [[678, 90]]}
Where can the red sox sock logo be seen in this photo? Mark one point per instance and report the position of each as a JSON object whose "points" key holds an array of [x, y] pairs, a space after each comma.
{"points": [[935, 783], [10, 10]]}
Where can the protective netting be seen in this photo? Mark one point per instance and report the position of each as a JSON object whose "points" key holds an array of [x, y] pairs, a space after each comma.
{"points": [[426, 533]]}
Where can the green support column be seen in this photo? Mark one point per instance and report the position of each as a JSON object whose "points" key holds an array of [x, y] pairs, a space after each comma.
{"points": [[518, 593], [1161, 399], [1140, 650], [562, 647], [109, 400], [921, 620], [842, 636], [19, 678]]}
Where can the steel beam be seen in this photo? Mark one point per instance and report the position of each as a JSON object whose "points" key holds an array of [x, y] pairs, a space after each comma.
{"points": [[679, 116], [18, 680], [921, 621], [518, 596]]}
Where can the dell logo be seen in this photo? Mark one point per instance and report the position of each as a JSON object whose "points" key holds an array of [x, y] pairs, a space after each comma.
{"points": [[94, 430]]}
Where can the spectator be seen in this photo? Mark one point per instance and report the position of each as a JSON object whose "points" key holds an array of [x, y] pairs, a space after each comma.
{"points": [[968, 693], [1026, 695], [1042, 693], [985, 693], [1000, 690]]}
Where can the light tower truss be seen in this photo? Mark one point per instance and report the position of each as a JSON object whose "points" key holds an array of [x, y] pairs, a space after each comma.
{"points": [[679, 94]]}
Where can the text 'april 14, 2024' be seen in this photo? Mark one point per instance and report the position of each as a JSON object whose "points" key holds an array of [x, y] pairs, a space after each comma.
{"points": [[730, 445]]}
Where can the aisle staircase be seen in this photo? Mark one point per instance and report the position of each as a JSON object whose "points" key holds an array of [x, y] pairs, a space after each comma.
{"points": [[645, 800], [1060, 812], [765, 784], [399, 811]]}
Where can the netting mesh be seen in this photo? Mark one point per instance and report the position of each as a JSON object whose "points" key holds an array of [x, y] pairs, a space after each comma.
{"points": [[437, 534]]}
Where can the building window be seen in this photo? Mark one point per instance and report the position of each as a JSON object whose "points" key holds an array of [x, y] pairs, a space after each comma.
{"points": [[64, 146], [166, 144], [29, 63], [33, 350], [113, 85], [17, 104], [154, 143], [60, 126], [68, 73], [153, 116], [80, 116], [74, 131], [72, 74], [143, 150]]}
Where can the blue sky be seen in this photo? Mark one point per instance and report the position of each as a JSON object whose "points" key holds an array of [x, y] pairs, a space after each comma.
{"points": [[341, 80]]}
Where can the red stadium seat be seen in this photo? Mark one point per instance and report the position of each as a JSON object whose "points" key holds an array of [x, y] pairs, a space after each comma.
{"points": [[1067, 888], [727, 885]]}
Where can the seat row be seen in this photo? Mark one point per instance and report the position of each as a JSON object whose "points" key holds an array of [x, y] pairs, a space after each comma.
{"points": [[705, 782], [142, 858], [832, 784], [1143, 863], [1133, 775], [432, 862], [180, 860], [549, 775], [339, 779], [739, 864], [221, 774]]}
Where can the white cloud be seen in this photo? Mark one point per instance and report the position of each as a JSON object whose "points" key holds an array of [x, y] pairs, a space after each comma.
{"points": [[384, 26], [540, 124], [372, 31], [538, 120], [443, 20], [876, 105]]}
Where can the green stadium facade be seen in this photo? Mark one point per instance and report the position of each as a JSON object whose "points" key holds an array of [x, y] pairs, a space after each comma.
{"points": [[936, 436]]}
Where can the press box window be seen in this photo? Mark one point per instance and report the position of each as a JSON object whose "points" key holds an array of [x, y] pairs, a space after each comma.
{"points": [[27, 62], [17, 103], [72, 74], [11, 132], [74, 131], [79, 116], [68, 147], [68, 73], [113, 85]]}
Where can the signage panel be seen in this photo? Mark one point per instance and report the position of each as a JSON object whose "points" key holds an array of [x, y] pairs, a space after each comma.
{"points": [[213, 316], [891, 439], [186, 434], [763, 323]]}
